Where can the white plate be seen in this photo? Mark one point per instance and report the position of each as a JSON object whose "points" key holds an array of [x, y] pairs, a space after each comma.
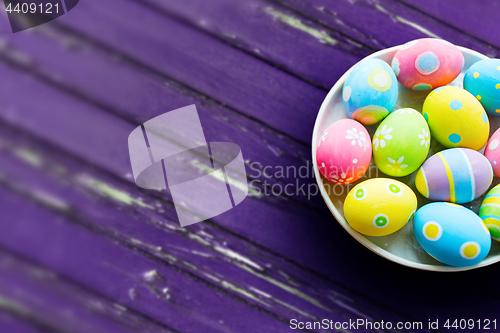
{"points": [[401, 246]]}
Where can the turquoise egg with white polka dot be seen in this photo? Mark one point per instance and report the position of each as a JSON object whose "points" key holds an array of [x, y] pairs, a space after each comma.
{"points": [[482, 80], [452, 234], [370, 91]]}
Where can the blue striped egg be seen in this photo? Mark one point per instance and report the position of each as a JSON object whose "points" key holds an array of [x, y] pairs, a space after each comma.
{"points": [[457, 175], [452, 234]]}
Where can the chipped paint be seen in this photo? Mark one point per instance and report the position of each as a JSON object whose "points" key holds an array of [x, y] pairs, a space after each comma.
{"points": [[50, 200], [405, 21], [202, 254], [235, 255], [149, 246], [193, 267], [10, 305], [199, 239], [260, 292], [110, 192], [212, 277], [283, 286], [242, 291], [298, 24], [132, 294], [291, 307], [220, 177], [151, 276], [28, 156]]}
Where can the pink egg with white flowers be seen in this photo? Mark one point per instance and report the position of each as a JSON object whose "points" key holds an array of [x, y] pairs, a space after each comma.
{"points": [[344, 151], [492, 152], [427, 63]]}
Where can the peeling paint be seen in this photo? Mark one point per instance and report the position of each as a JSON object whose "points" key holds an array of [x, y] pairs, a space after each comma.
{"points": [[220, 176], [297, 24], [202, 254], [212, 277], [291, 307], [50, 200], [260, 292], [113, 193], [235, 255], [151, 276], [132, 294], [283, 286], [189, 265], [199, 239], [29, 157], [242, 291], [405, 21]]}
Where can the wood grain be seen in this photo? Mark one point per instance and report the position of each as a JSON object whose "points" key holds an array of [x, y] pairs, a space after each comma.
{"points": [[201, 251], [257, 71]]}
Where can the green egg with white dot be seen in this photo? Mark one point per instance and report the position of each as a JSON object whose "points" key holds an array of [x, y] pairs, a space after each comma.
{"points": [[401, 142]]}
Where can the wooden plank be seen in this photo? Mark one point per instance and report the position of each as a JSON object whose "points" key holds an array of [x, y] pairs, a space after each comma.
{"points": [[306, 244], [387, 22], [168, 243], [332, 262], [161, 291], [204, 251], [469, 18], [138, 96], [10, 323], [82, 123], [204, 64], [47, 301], [275, 34]]}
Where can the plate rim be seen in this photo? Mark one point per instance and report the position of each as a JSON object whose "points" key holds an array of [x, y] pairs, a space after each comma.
{"points": [[340, 219]]}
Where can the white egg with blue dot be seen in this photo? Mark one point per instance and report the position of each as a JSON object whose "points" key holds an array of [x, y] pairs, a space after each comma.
{"points": [[452, 234], [370, 91]]}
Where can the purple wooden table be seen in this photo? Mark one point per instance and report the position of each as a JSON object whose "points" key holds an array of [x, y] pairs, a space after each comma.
{"points": [[82, 249]]}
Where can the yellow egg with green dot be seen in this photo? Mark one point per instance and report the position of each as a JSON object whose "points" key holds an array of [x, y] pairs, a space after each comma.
{"points": [[456, 118], [379, 206]]}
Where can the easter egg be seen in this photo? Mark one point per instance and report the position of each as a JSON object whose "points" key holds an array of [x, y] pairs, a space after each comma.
{"points": [[483, 81], [379, 206], [456, 118], [452, 234], [457, 175], [489, 211], [492, 152], [401, 142], [427, 63], [370, 91], [344, 151]]}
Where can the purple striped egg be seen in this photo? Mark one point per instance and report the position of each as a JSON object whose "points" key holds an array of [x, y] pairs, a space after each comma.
{"points": [[456, 175]]}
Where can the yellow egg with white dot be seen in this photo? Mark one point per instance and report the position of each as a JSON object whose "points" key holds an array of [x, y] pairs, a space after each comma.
{"points": [[379, 206], [456, 118]]}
